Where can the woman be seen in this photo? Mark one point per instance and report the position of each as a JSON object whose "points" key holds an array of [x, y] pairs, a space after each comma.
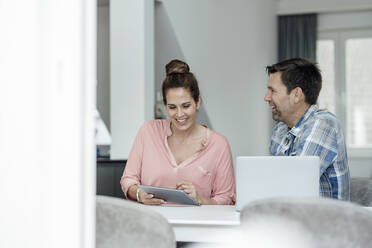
{"points": [[180, 153]]}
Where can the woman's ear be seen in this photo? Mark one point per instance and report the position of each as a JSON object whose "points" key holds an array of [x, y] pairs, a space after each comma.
{"points": [[198, 103]]}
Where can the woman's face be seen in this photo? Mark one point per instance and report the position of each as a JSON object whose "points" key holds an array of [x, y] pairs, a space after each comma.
{"points": [[181, 108]]}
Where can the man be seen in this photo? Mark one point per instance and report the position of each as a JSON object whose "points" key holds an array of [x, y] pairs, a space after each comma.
{"points": [[303, 129]]}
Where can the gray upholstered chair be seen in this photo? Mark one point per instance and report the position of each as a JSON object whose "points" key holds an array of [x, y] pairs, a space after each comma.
{"points": [[361, 191], [121, 223], [311, 222]]}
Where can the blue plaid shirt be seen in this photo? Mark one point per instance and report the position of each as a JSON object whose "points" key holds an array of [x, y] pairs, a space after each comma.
{"points": [[317, 133]]}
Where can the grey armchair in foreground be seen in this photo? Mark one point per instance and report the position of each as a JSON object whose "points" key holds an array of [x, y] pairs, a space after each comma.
{"points": [[315, 222], [361, 191], [121, 223]]}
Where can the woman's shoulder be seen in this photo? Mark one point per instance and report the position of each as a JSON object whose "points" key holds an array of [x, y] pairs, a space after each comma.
{"points": [[218, 139], [155, 126]]}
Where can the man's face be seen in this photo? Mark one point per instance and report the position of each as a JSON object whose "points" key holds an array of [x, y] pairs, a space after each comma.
{"points": [[278, 98]]}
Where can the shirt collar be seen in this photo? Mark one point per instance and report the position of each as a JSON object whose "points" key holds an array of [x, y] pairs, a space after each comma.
{"points": [[204, 142], [297, 128]]}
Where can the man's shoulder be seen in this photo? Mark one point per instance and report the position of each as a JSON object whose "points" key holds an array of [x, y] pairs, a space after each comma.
{"points": [[324, 114], [324, 118]]}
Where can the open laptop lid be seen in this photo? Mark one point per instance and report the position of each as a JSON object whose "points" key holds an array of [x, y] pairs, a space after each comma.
{"points": [[275, 176]]}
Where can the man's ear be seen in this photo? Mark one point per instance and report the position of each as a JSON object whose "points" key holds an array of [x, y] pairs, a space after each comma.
{"points": [[297, 95]]}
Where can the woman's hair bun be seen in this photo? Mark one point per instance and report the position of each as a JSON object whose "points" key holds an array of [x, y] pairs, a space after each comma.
{"points": [[177, 66]]}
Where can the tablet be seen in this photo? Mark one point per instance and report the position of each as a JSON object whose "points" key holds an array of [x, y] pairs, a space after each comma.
{"points": [[170, 195]]}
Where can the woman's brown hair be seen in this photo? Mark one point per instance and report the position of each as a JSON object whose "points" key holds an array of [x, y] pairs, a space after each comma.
{"points": [[179, 76]]}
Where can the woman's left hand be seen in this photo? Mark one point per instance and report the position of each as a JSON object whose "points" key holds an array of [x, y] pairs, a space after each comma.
{"points": [[189, 188]]}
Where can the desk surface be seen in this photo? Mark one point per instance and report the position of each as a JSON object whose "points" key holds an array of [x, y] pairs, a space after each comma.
{"points": [[200, 215], [189, 222], [212, 221]]}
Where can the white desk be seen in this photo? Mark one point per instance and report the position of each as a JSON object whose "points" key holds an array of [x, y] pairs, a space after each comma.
{"points": [[207, 223]]}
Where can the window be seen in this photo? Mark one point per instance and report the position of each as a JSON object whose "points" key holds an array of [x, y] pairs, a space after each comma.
{"points": [[359, 90], [326, 59], [345, 58]]}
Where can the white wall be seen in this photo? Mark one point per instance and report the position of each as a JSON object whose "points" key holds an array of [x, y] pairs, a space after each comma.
{"points": [[227, 45], [47, 99], [345, 21], [286, 7], [360, 166], [132, 71]]}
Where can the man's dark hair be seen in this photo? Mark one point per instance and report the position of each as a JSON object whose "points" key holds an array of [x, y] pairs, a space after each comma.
{"points": [[301, 73]]}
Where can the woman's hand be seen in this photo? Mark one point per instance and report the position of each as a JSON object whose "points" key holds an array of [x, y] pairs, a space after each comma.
{"points": [[148, 199], [189, 188], [141, 196]]}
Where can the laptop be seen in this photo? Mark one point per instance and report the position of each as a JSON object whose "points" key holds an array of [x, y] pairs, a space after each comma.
{"points": [[275, 176]]}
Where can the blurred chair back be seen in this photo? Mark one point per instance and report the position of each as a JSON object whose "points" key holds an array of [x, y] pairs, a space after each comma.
{"points": [[121, 223], [317, 222], [361, 191]]}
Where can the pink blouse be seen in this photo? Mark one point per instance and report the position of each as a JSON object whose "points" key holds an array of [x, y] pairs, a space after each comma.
{"points": [[151, 162]]}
